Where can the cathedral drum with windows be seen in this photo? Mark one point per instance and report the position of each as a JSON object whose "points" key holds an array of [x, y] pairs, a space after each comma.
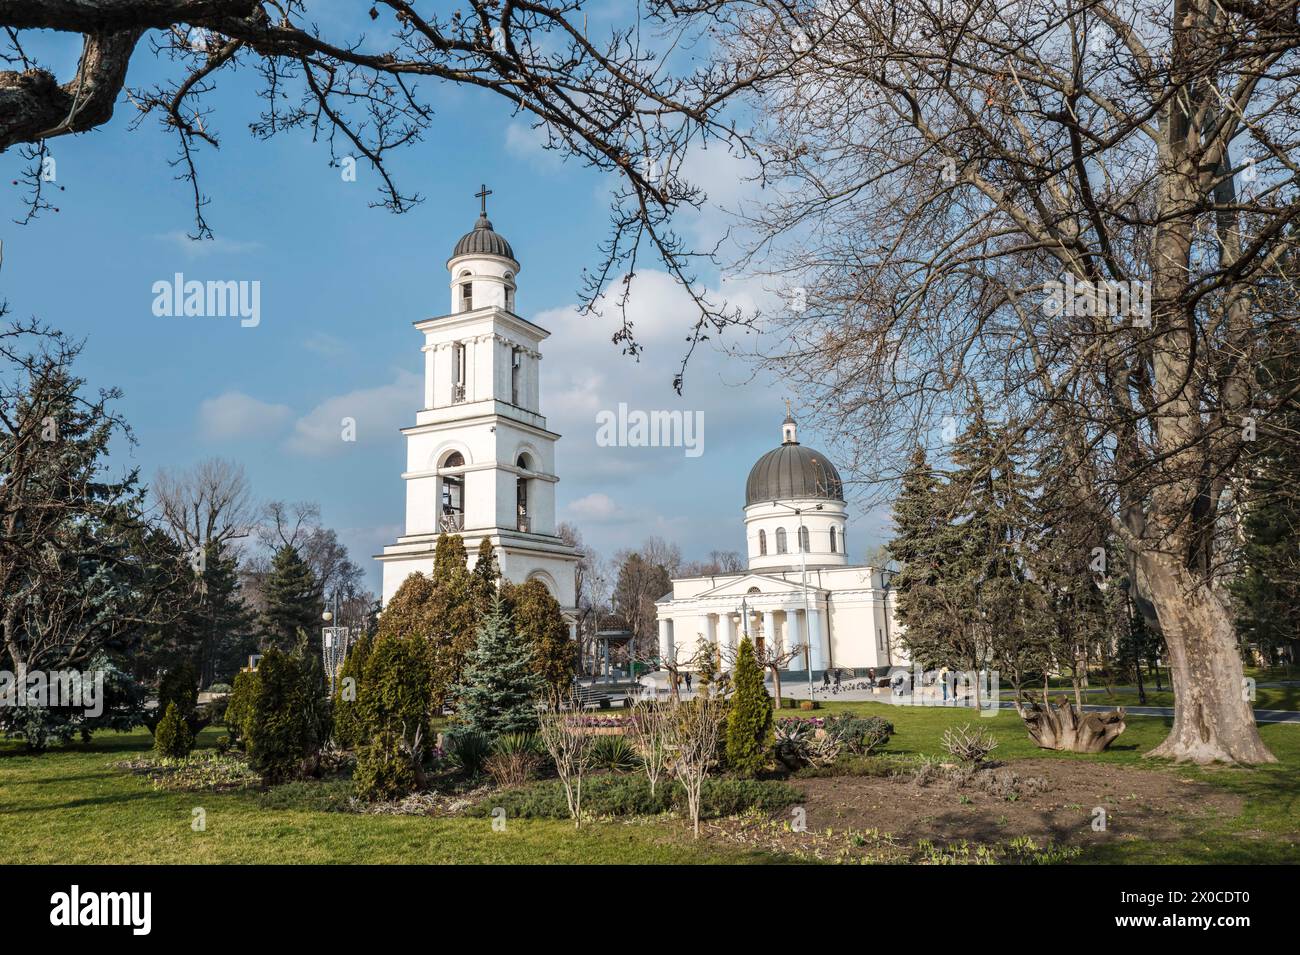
{"points": [[480, 461], [801, 600]]}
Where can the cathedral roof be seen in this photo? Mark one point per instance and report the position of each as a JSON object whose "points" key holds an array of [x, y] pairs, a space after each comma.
{"points": [[481, 240], [792, 472]]}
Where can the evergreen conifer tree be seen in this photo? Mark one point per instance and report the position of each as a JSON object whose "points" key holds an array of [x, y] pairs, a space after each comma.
{"points": [[749, 717], [293, 602], [501, 687]]}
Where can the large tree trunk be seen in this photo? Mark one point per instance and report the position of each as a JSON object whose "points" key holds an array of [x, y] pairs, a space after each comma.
{"points": [[1213, 718]]}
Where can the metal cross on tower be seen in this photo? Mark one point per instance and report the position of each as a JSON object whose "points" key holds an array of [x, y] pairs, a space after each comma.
{"points": [[482, 195]]}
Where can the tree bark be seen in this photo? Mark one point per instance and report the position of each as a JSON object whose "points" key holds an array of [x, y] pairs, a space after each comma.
{"points": [[1213, 718], [1062, 726]]}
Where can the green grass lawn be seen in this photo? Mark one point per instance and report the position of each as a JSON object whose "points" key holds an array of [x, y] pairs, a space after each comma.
{"points": [[71, 805]]}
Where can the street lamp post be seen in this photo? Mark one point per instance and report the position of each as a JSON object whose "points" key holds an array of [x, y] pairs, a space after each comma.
{"points": [[333, 644]]}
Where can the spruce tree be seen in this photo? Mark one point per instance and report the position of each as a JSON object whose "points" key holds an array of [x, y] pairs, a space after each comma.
{"points": [[749, 717], [922, 544], [293, 602], [501, 688]]}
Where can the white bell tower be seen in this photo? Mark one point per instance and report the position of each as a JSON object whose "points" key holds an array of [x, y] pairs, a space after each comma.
{"points": [[480, 461]]}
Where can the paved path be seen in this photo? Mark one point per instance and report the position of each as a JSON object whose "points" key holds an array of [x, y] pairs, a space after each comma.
{"points": [[799, 691]]}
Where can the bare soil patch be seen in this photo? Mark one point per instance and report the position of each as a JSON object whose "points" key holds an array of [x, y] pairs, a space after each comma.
{"points": [[1139, 804], [1048, 802]]}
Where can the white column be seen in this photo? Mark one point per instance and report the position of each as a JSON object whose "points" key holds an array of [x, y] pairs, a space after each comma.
{"points": [[815, 638], [728, 631], [665, 638], [711, 628], [428, 377], [769, 632]]}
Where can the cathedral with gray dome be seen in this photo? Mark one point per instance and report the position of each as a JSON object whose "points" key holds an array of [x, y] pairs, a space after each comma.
{"points": [[800, 600]]}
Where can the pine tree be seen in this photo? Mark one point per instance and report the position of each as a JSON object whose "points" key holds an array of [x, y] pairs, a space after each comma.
{"points": [[749, 717], [293, 602], [922, 544], [501, 688], [228, 625]]}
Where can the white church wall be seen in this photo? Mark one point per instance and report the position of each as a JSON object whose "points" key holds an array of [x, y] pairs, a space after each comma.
{"points": [[768, 517]]}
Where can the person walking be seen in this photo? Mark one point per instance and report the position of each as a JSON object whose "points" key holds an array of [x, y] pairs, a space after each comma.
{"points": [[837, 678], [943, 680], [688, 681]]}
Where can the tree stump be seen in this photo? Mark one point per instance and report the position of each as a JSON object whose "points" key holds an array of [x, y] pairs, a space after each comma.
{"points": [[1061, 726]]}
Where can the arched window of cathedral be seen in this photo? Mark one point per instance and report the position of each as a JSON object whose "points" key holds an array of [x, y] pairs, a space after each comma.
{"points": [[453, 495], [762, 543], [803, 540], [780, 540], [833, 548], [510, 292], [466, 291], [521, 492]]}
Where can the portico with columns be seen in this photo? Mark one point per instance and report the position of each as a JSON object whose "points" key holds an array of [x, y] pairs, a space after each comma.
{"points": [[800, 600]]}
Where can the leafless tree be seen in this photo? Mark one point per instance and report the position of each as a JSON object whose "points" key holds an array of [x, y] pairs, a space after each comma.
{"points": [[648, 728], [694, 729], [569, 745], [209, 504], [1076, 206]]}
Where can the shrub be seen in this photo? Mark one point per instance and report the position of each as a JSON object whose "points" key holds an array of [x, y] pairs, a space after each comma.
{"points": [[349, 727], [967, 745], [223, 745], [242, 703], [859, 735], [179, 685], [468, 749], [332, 796], [384, 768], [172, 737], [615, 753], [515, 759], [809, 705], [749, 718], [284, 733], [219, 688], [631, 796]]}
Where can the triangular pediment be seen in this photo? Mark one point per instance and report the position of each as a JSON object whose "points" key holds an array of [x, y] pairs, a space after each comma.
{"points": [[740, 586]]}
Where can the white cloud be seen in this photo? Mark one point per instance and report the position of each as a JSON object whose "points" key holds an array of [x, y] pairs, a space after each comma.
{"points": [[528, 144], [376, 412], [237, 415], [597, 508]]}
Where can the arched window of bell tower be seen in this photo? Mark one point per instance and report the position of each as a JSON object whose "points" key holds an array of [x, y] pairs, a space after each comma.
{"points": [[521, 492], [452, 518]]}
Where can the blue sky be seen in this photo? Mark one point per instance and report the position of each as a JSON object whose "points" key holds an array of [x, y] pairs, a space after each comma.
{"points": [[341, 284]]}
